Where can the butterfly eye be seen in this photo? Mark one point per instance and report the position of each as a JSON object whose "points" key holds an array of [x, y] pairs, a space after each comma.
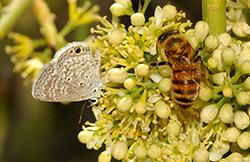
{"points": [[77, 50]]}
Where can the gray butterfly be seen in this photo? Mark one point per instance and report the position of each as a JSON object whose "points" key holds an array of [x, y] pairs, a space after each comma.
{"points": [[72, 75]]}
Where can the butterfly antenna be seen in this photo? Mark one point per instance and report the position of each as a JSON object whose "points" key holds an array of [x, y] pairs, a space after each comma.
{"points": [[83, 106]]}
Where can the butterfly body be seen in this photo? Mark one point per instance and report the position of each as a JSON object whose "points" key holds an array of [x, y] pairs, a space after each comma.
{"points": [[73, 75]]}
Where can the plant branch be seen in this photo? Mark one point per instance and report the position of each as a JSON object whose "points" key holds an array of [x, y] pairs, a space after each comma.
{"points": [[11, 14], [214, 13]]}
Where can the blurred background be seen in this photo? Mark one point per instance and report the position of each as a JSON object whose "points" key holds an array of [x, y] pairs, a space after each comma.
{"points": [[34, 131]]}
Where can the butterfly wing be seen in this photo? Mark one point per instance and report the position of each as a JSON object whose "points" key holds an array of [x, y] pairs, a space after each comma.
{"points": [[79, 68], [50, 87]]}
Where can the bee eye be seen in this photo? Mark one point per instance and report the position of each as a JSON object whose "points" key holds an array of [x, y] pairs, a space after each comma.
{"points": [[162, 37], [77, 50]]}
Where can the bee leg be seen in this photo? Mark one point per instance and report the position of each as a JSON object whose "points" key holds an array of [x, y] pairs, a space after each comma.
{"points": [[161, 63]]}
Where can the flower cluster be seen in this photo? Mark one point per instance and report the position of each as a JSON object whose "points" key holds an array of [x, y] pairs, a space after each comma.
{"points": [[136, 118], [29, 55]]}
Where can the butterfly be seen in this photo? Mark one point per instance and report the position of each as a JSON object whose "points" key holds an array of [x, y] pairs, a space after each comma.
{"points": [[72, 75]]}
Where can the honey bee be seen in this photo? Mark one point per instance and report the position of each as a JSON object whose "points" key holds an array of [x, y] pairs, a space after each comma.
{"points": [[187, 67]]}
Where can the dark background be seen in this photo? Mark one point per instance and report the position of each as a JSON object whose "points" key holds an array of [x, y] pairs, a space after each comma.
{"points": [[33, 131]]}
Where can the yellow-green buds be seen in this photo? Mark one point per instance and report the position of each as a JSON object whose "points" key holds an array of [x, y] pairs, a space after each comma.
{"points": [[226, 114], [129, 83], [242, 98], [241, 29], [247, 83], [173, 128], [117, 75], [211, 42], [165, 71], [205, 92], [126, 3], [117, 9], [231, 134], [115, 36], [212, 63], [244, 140], [201, 30], [244, 55], [235, 157], [209, 113], [124, 104], [193, 41], [119, 150], [241, 119], [85, 136], [245, 67], [137, 19], [219, 78], [169, 12], [140, 151], [142, 69], [227, 91], [154, 151], [201, 155], [140, 106], [104, 157], [164, 85], [228, 56], [225, 39], [162, 109]]}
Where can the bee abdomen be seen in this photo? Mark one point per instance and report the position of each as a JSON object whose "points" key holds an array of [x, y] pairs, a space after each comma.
{"points": [[185, 88]]}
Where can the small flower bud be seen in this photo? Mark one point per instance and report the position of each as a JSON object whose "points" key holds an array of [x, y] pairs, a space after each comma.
{"points": [[119, 150], [226, 114], [165, 71], [140, 151], [124, 104], [193, 41], [242, 98], [173, 128], [228, 56], [244, 55], [225, 39], [218, 57], [142, 69], [241, 119], [162, 109], [201, 30], [125, 3], [154, 151], [169, 12], [117, 75], [205, 93], [245, 67], [129, 83], [231, 134], [115, 36], [219, 78], [246, 83], [244, 140], [164, 85], [137, 19], [201, 155], [117, 9], [235, 157], [212, 63], [85, 136], [248, 111], [140, 107], [241, 29], [104, 157], [211, 42], [214, 156], [223, 160], [209, 113], [227, 91]]}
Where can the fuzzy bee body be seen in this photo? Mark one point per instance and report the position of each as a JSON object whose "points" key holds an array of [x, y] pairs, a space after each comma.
{"points": [[187, 68]]}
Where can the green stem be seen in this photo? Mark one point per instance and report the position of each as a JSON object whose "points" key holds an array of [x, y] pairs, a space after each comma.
{"points": [[67, 28], [145, 6], [214, 13], [12, 14]]}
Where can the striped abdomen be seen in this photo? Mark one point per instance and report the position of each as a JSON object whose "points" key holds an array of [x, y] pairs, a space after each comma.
{"points": [[186, 84]]}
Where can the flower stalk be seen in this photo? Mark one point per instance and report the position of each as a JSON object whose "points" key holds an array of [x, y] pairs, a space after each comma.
{"points": [[214, 13]]}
